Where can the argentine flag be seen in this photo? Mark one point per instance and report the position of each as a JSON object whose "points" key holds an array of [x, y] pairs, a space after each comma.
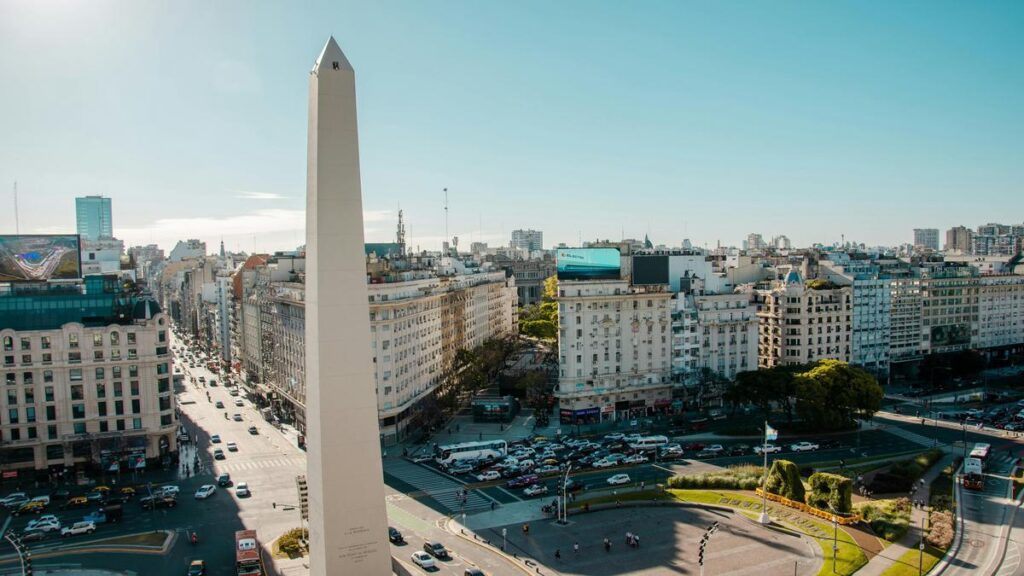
{"points": [[770, 433]]}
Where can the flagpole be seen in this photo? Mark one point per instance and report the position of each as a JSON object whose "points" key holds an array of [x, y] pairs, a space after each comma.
{"points": [[765, 520]]}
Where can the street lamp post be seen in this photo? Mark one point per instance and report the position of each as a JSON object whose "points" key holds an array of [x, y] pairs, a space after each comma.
{"points": [[920, 548], [835, 541], [565, 495]]}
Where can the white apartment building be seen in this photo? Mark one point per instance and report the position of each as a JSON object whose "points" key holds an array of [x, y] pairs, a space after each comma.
{"points": [[615, 350], [84, 395], [872, 310], [799, 324], [417, 328], [727, 333], [905, 318], [1000, 312]]}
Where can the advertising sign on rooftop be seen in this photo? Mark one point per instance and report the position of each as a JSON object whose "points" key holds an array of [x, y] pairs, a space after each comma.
{"points": [[588, 263], [38, 258]]}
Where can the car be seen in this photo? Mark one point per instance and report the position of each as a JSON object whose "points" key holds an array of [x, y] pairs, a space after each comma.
{"points": [[614, 436], [739, 450], [253, 430], [218, 454], [224, 479], [423, 560], [215, 438], [422, 459], [437, 550], [44, 499], [695, 446], [46, 523], [716, 448], [196, 568], [78, 528], [30, 508], [14, 499], [460, 469], [767, 449], [154, 502], [213, 381], [635, 459], [604, 463], [237, 417], [33, 536], [61, 494], [547, 469], [239, 403], [803, 447], [535, 490], [574, 485], [618, 479], [488, 476], [394, 536], [242, 490], [473, 572], [219, 404], [169, 490], [522, 481], [205, 491], [232, 447], [76, 502], [234, 392]]}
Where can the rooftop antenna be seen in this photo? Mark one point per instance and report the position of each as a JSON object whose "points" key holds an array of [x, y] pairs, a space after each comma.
{"points": [[17, 223], [445, 215], [401, 234]]}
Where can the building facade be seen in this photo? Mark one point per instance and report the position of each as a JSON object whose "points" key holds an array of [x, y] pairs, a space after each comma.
{"points": [[958, 240], [927, 238], [615, 350], [529, 240], [88, 375], [799, 324]]}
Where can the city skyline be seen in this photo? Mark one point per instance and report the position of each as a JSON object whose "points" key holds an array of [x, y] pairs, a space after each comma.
{"points": [[682, 121]]}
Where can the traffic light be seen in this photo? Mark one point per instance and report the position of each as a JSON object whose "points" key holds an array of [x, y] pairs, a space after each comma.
{"points": [[300, 482]]}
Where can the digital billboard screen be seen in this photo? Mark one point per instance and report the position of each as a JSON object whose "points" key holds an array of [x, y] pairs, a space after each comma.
{"points": [[588, 263], [650, 269], [38, 258], [951, 335]]}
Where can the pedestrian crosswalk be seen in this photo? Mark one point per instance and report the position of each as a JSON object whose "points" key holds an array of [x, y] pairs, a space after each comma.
{"points": [[911, 436], [228, 466], [427, 482]]}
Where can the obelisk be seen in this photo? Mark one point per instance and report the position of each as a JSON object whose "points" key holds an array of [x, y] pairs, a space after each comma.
{"points": [[347, 514]]}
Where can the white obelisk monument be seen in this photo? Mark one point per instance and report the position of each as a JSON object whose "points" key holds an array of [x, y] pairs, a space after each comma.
{"points": [[347, 514]]}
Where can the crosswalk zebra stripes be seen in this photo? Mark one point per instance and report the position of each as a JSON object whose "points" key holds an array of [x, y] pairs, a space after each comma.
{"points": [[910, 436], [447, 492], [228, 466]]}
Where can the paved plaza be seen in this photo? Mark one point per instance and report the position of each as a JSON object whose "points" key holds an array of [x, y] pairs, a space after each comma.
{"points": [[669, 538]]}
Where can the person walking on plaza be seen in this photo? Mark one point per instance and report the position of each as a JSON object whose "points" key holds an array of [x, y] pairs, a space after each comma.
{"points": [[576, 548], [607, 545], [558, 554]]}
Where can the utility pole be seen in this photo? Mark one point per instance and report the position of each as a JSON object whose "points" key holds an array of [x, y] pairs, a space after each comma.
{"points": [[920, 548], [17, 222]]}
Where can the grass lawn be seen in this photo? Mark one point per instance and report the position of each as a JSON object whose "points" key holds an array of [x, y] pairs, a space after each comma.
{"points": [[141, 539], [907, 564]]}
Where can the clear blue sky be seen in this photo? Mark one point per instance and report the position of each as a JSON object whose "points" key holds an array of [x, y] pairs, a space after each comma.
{"points": [[705, 120]]}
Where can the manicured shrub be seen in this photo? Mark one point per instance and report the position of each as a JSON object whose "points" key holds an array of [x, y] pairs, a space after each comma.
{"points": [[784, 480], [831, 492], [940, 533], [889, 519], [743, 477], [291, 541]]}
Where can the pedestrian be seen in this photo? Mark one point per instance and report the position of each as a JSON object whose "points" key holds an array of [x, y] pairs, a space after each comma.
{"points": [[629, 538], [607, 545], [576, 548], [642, 484], [636, 541], [558, 554], [492, 506]]}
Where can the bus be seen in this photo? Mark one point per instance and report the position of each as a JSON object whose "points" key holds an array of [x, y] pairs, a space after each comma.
{"points": [[485, 450], [649, 443], [248, 560], [977, 459]]}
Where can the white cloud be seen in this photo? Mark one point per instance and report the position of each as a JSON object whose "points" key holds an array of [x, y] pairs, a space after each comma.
{"points": [[260, 196]]}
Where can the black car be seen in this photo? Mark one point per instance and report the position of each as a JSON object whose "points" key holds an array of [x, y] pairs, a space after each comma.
{"points": [[151, 502], [473, 572], [829, 444], [395, 536], [739, 450], [574, 485], [224, 480], [437, 550]]}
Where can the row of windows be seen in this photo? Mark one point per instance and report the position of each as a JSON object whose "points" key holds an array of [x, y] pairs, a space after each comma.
{"points": [[25, 342], [120, 424]]}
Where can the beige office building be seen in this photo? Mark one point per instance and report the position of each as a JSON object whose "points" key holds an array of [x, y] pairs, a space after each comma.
{"points": [[799, 324]]}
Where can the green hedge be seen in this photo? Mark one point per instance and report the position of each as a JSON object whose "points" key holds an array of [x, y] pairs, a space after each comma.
{"points": [[743, 477], [889, 519], [784, 480], [831, 492], [291, 542]]}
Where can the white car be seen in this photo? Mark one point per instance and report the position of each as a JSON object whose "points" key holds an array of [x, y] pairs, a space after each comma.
{"points": [[242, 490], [535, 490], [10, 499], [716, 448], [767, 448], [603, 464], [635, 459], [215, 438], [205, 491], [232, 447], [423, 560], [169, 490], [803, 447], [78, 528], [618, 479], [488, 476], [614, 436], [46, 523], [239, 403]]}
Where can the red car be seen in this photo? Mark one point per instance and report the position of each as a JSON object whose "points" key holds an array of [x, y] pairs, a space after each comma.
{"points": [[522, 481], [694, 446]]}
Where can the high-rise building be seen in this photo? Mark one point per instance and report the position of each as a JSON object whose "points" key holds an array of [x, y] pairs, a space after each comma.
{"points": [[347, 513], [754, 241], [528, 240], [927, 238], [92, 215], [958, 239]]}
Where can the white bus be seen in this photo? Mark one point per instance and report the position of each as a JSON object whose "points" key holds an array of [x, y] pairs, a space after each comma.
{"points": [[487, 449], [649, 443], [978, 458]]}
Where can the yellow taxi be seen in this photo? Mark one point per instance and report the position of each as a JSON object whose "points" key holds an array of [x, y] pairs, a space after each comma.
{"points": [[77, 502], [33, 507]]}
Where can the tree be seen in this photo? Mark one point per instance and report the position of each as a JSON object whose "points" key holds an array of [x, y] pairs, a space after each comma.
{"points": [[541, 320], [831, 393]]}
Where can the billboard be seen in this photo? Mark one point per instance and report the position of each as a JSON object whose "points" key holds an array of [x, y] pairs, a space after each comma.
{"points": [[951, 335], [38, 258], [588, 263], [650, 269]]}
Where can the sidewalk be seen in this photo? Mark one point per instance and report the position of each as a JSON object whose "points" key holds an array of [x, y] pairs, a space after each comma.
{"points": [[912, 538]]}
